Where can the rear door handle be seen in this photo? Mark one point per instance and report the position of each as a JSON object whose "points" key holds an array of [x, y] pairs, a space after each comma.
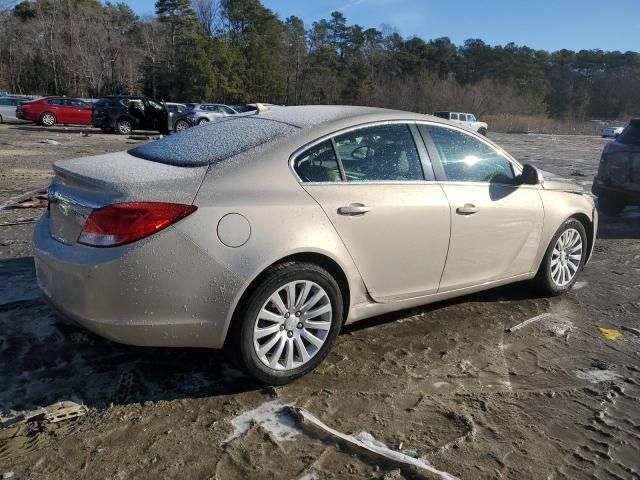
{"points": [[354, 209], [468, 209]]}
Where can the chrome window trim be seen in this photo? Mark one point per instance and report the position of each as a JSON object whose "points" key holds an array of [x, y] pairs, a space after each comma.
{"points": [[299, 151]]}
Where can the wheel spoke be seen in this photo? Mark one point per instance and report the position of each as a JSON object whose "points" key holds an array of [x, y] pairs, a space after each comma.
{"points": [[269, 316], [317, 325], [291, 295], [304, 294], [317, 342], [302, 349], [263, 332], [264, 349], [289, 362], [315, 299], [275, 357], [318, 311], [277, 301]]}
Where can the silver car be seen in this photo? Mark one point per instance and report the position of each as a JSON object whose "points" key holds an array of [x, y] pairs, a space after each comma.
{"points": [[205, 112], [8, 109], [267, 233]]}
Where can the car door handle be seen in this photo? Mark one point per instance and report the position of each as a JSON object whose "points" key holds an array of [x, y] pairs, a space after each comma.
{"points": [[468, 209], [354, 209]]}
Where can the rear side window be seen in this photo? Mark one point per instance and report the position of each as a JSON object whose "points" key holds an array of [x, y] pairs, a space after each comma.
{"points": [[631, 134], [467, 159], [55, 101], [318, 164], [213, 142], [381, 152]]}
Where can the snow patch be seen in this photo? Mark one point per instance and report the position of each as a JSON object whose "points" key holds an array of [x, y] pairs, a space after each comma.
{"points": [[597, 376], [272, 416]]}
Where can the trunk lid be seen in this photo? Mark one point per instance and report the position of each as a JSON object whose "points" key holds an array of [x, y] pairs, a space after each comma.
{"points": [[84, 184]]}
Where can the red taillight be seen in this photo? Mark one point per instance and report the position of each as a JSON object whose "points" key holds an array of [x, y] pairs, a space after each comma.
{"points": [[127, 222]]}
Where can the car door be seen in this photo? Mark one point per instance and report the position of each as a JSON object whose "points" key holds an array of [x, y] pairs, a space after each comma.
{"points": [[376, 186], [496, 225]]}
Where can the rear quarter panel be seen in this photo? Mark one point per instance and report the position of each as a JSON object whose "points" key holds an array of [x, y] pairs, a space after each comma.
{"points": [[284, 219]]}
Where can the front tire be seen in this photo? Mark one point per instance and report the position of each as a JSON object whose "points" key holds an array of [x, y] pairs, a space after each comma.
{"points": [[611, 204], [289, 323], [564, 259], [47, 119], [203, 120], [483, 132]]}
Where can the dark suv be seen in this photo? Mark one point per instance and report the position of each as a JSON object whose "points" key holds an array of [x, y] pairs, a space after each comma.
{"points": [[123, 114], [617, 183]]}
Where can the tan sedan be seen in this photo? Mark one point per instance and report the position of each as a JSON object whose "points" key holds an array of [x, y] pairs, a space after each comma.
{"points": [[266, 233]]}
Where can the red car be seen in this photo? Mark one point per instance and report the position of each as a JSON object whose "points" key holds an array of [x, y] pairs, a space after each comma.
{"points": [[48, 111]]}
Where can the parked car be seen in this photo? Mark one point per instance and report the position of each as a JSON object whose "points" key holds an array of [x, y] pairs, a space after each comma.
{"points": [[617, 183], [266, 233], [8, 106], [124, 114], [205, 112], [611, 132], [468, 120], [49, 111], [175, 107]]}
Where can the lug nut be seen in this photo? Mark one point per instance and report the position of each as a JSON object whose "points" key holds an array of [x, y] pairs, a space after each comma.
{"points": [[298, 314], [281, 327], [299, 324], [289, 334], [287, 315]]}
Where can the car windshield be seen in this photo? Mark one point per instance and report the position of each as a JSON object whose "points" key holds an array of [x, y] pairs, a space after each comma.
{"points": [[213, 142], [631, 134]]}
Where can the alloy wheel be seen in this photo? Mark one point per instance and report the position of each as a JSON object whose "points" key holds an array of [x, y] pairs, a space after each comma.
{"points": [[566, 257], [48, 120], [124, 127], [292, 325]]}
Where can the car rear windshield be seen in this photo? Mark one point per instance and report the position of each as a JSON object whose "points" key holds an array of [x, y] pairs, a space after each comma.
{"points": [[213, 142], [631, 134]]}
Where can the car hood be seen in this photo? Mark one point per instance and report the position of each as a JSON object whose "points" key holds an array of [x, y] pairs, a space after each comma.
{"points": [[551, 181]]}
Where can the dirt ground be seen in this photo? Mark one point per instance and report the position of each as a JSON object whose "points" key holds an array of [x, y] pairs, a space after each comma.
{"points": [[446, 383]]}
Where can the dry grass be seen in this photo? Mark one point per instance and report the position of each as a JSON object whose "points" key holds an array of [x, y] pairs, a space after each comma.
{"points": [[508, 123]]}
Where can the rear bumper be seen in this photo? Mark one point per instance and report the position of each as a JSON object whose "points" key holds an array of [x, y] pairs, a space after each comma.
{"points": [[162, 291], [600, 188]]}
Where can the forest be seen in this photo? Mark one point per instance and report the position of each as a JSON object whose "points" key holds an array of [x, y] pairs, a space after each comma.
{"points": [[235, 51]]}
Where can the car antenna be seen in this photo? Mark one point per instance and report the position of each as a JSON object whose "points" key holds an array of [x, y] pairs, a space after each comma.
{"points": [[261, 107]]}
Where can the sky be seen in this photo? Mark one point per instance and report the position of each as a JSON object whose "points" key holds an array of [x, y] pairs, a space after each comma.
{"points": [[540, 24]]}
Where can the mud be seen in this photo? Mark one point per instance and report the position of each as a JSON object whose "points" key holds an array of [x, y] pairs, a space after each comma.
{"points": [[446, 383]]}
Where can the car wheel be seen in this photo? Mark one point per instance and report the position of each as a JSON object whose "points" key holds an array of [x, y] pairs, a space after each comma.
{"points": [[611, 204], [289, 323], [202, 120], [47, 119], [564, 259], [124, 127], [483, 131], [181, 125]]}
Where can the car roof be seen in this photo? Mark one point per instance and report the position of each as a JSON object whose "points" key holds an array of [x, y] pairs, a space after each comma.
{"points": [[311, 116]]}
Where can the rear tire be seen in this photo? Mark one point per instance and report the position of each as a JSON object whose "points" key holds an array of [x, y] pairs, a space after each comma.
{"points": [[202, 120], [181, 125], [277, 341], [47, 119], [569, 242], [611, 204], [124, 126], [483, 131]]}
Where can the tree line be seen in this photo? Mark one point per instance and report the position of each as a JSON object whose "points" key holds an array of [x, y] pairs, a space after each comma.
{"points": [[235, 51]]}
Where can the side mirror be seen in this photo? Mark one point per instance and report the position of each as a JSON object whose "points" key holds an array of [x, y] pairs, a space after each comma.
{"points": [[529, 175]]}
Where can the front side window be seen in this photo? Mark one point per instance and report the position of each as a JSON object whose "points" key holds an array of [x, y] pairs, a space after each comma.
{"points": [[75, 103], [381, 152], [454, 116], [467, 159], [55, 101], [471, 118], [318, 164]]}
